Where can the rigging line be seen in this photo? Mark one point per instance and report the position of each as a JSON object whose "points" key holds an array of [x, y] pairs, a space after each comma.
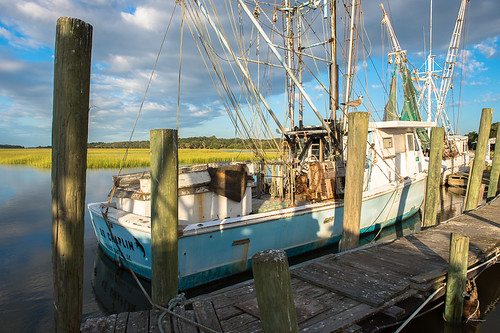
{"points": [[361, 22], [146, 92], [253, 97], [270, 20], [226, 88], [241, 69], [145, 293], [231, 117], [462, 81], [180, 65]]}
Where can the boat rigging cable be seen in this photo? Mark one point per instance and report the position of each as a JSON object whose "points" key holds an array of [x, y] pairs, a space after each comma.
{"points": [[125, 155]]}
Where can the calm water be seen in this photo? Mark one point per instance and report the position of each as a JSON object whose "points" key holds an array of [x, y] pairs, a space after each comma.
{"points": [[25, 247]]}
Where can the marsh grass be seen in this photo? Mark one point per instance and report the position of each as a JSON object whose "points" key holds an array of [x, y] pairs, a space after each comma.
{"points": [[112, 158]]}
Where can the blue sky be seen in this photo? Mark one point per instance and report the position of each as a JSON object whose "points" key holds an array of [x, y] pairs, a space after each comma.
{"points": [[127, 36]]}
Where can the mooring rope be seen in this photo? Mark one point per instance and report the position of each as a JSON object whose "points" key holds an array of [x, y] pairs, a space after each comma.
{"points": [[173, 302]]}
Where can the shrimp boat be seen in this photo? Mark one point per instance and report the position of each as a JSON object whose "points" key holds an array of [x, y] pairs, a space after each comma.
{"points": [[230, 211], [434, 83]]}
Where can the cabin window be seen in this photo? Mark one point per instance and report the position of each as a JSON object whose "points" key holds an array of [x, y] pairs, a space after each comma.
{"points": [[387, 143], [400, 144], [411, 143]]}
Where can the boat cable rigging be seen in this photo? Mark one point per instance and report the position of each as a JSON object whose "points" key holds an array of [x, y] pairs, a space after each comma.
{"points": [[125, 155]]}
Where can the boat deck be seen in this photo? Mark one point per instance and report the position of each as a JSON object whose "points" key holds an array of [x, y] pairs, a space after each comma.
{"points": [[349, 291]]}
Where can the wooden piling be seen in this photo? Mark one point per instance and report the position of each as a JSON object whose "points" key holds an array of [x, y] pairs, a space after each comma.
{"points": [[72, 64], [457, 278], [356, 155], [495, 169], [164, 219], [274, 291], [476, 173], [433, 177]]}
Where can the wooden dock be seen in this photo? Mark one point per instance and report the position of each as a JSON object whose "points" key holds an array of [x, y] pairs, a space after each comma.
{"points": [[350, 291]]}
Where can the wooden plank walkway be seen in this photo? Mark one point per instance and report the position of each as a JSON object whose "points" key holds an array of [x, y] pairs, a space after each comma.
{"points": [[347, 291]]}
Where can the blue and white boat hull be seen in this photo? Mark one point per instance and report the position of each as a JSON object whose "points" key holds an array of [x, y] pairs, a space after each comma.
{"points": [[212, 250]]}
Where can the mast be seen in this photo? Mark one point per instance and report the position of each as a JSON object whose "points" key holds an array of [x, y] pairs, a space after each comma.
{"points": [[349, 64], [284, 65], [334, 71], [289, 60], [300, 65], [430, 75], [449, 64], [430, 69]]}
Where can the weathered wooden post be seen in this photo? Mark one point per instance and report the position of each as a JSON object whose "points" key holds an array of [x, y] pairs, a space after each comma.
{"points": [[433, 177], [457, 278], [495, 169], [164, 202], [274, 291], [356, 155], [476, 173], [70, 121]]}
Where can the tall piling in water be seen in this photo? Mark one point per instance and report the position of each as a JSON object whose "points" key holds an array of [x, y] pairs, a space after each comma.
{"points": [[433, 177], [274, 291], [164, 219], [72, 63], [495, 168], [476, 173], [356, 155]]}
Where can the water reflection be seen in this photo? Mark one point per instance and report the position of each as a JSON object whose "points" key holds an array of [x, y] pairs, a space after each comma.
{"points": [[25, 246], [115, 289]]}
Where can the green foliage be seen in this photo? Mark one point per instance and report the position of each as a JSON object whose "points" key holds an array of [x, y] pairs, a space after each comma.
{"points": [[10, 147], [494, 130], [472, 139], [199, 142]]}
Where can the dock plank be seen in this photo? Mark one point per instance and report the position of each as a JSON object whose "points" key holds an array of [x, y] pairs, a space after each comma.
{"points": [[181, 326], [138, 322], [205, 314]]}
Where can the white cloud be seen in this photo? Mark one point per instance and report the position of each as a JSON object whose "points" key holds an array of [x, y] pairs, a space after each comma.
{"points": [[490, 97], [42, 11], [488, 47], [10, 66], [146, 17], [4, 33], [471, 65]]}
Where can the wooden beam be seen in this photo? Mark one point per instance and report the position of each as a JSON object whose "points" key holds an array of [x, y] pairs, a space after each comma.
{"points": [[457, 277], [72, 63], [495, 169], [476, 173], [356, 155], [164, 219], [274, 291], [433, 177]]}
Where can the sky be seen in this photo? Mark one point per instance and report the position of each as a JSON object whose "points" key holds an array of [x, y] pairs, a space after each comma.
{"points": [[127, 36]]}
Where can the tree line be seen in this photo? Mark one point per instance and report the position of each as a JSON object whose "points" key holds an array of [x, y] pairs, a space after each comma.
{"points": [[473, 135], [199, 142]]}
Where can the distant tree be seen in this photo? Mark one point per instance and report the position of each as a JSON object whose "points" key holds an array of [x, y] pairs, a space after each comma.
{"points": [[11, 147], [494, 130], [472, 139]]}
